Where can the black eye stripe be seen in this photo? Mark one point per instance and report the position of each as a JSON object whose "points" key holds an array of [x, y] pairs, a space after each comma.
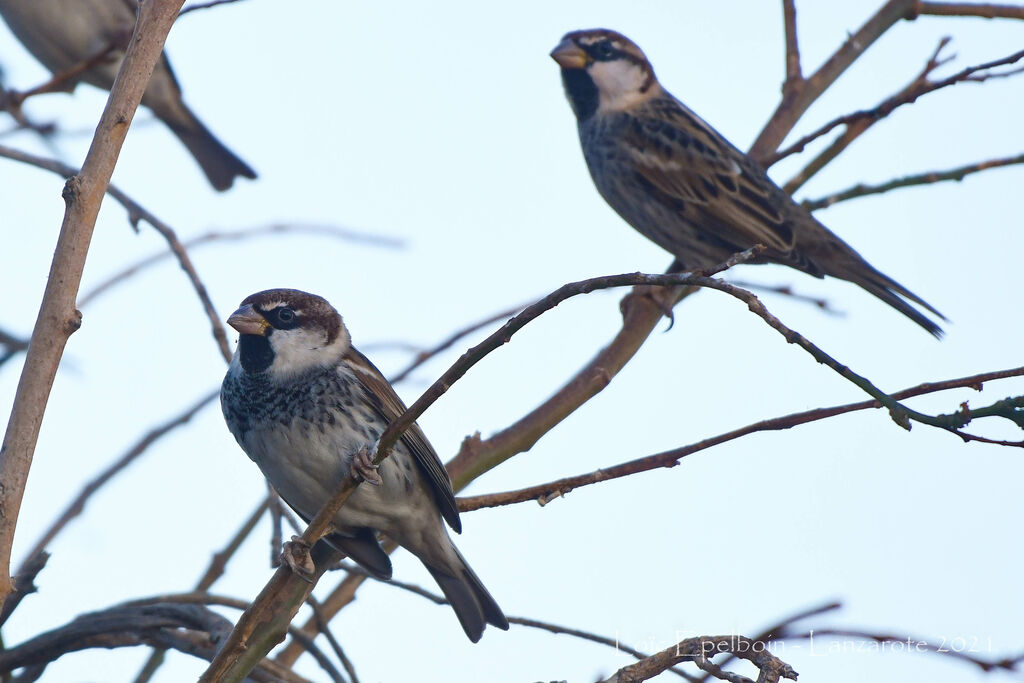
{"points": [[603, 51], [282, 318]]}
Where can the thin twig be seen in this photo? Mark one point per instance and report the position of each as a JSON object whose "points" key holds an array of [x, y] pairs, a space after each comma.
{"points": [[426, 354], [76, 506], [214, 236], [968, 9], [954, 174], [797, 100], [65, 80], [204, 598], [131, 625], [700, 650], [57, 319], [218, 563], [911, 644], [323, 627], [794, 75], [788, 291], [136, 213], [779, 627], [204, 5], [560, 487], [24, 584], [858, 123], [909, 94], [521, 621]]}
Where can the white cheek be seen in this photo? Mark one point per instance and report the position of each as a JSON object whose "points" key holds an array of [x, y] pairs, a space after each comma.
{"points": [[298, 350], [618, 84]]}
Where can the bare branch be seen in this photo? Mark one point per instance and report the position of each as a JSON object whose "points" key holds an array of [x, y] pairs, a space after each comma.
{"points": [[213, 572], [322, 626], [205, 5], [426, 354], [58, 319], [911, 644], [788, 291], [919, 86], [62, 81], [794, 76], [700, 650], [772, 632], [954, 174], [796, 101], [352, 569], [342, 595], [967, 9], [130, 625], [12, 346], [77, 505], [204, 598], [858, 123], [543, 493], [24, 584], [214, 236], [136, 213]]}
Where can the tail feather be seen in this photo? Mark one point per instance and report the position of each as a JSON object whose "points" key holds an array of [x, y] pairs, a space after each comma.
{"points": [[896, 295], [853, 268], [219, 163], [473, 605]]}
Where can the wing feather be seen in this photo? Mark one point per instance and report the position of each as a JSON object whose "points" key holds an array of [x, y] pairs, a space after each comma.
{"points": [[389, 406], [682, 156]]}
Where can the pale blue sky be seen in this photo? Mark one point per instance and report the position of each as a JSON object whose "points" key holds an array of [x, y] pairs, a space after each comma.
{"points": [[444, 124]]}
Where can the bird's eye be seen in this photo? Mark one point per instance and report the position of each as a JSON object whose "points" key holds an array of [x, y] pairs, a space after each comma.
{"points": [[286, 315], [603, 50]]}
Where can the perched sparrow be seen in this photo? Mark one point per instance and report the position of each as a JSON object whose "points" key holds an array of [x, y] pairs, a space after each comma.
{"points": [[63, 34], [682, 185], [305, 405]]}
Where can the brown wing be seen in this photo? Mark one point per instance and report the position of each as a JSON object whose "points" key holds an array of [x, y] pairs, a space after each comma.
{"points": [[681, 155], [390, 407]]}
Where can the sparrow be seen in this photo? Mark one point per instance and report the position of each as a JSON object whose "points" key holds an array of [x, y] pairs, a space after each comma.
{"points": [[64, 34], [307, 408], [681, 184]]}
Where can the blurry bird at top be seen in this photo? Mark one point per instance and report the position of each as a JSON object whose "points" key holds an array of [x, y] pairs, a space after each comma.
{"points": [[64, 34]]}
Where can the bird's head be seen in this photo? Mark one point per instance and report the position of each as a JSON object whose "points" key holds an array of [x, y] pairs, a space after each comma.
{"points": [[287, 332], [603, 71]]}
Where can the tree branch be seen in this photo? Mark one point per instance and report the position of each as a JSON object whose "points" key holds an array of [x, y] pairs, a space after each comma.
{"points": [[859, 122], [700, 650], [795, 102], [214, 236], [214, 571], [954, 174], [58, 319], [794, 76], [544, 493], [77, 505], [136, 213], [557, 629], [967, 9]]}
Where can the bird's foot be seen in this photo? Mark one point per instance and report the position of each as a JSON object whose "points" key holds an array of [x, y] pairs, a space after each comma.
{"points": [[295, 554], [362, 465]]}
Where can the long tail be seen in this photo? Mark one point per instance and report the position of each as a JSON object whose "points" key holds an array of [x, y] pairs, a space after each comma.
{"points": [[219, 163], [891, 292], [473, 605]]}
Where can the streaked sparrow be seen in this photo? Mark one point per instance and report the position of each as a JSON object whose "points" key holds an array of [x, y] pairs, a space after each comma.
{"points": [[681, 184], [305, 406], [63, 34]]}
